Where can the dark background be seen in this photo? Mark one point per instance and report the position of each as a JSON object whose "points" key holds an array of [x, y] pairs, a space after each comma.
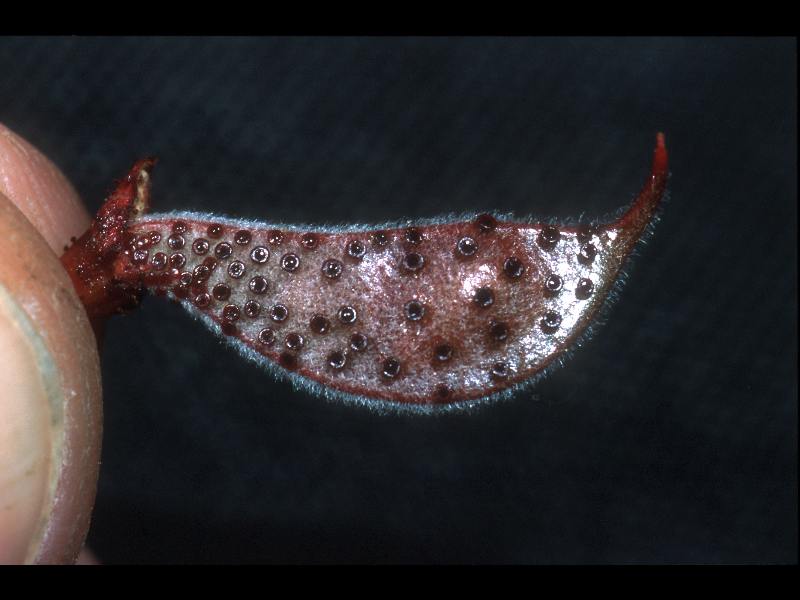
{"points": [[669, 437]]}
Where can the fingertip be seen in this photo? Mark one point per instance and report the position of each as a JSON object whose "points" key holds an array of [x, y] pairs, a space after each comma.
{"points": [[50, 411], [41, 191]]}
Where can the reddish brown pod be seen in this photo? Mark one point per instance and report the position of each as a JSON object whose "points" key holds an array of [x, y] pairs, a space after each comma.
{"points": [[419, 314], [92, 260]]}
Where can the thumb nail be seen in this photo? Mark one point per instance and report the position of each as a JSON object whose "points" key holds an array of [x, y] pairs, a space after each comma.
{"points": [[28, 430]]}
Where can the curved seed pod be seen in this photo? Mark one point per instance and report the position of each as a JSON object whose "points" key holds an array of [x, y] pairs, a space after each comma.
{"points": [[433, 313]]}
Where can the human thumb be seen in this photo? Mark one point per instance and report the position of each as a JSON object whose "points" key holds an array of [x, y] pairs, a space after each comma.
{"points": [[50, 393]]}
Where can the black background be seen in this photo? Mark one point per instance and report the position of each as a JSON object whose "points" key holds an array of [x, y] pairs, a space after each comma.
{"points": [[669, 437]]}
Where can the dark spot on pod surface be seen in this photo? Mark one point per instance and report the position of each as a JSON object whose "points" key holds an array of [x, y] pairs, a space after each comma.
{"points": [[252, 309], [159, 261], [229, 328], [584, 288], [290, 263], [278, 313], [498, 331], [185, 278], [585, 233], [200, 246], [215, 230], [513, 267], [210, 262], [390, 368], [202, 300], [358, 342], [287, 360], [236, 269], [139, 257], [553, 284], [141, 241], [258, 285], [231, 313], [176, 261], [155, 237], [483, 298], [587, 253], [259, 255], [198, 287], [413, 236], [201, 273], [548, 237], [181, 291], [242, 237], [442, 353], [380, 239], [337, 360], [319, 324], [176, 241], [221, 291], [309, 241], [332, 268], [499, 371], [466, 247], [179, 227], [486, 223], [413, 262], [294, 341], [223, 250], [347, 315], [414, 310], [550, 322], [275, 237], [441, 391], [266, 336], [356, 249]]}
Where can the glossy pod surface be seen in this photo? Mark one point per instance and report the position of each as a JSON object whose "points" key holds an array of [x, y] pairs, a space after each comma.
{"points": [[419, 314]]}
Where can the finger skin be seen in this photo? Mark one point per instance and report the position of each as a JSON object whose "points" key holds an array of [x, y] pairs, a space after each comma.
{"points": [[41, 191], [50, 399]]}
